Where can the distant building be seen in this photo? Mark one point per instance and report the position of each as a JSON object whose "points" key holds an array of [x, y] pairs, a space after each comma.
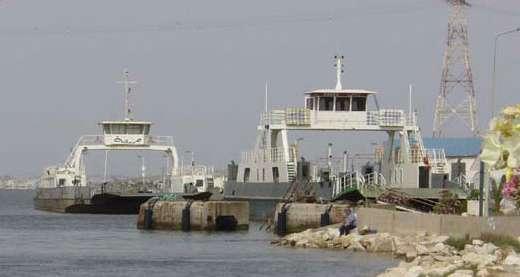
{"points": [[462, 155]]}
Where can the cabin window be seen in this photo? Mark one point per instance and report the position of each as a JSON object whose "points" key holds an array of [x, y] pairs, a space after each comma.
{"points": [[359, 104], [326, 103], [309, 103], [342, 103], [61, 182], [118, 129], [263, 174], [247, 172], [199, 183], [134, 129], [276, 174], [106, 129], [146, 129]]}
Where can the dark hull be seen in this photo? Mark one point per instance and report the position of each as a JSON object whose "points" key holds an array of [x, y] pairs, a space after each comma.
{"points": [[61, 200], [263, 197]]}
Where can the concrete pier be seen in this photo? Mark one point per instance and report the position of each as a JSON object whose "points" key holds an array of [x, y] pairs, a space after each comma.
{"points": [[302, 216], [207, 215]]}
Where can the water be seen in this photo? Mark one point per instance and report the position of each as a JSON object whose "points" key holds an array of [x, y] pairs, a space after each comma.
{"points": [[36, 243]]}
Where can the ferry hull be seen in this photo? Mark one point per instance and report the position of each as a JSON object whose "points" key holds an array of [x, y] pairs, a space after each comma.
{"points": [[263, 197], [58, 200]]}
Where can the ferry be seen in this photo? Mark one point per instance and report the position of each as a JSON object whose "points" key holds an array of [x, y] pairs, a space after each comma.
{"points": [[274, 169], [66, 188]]}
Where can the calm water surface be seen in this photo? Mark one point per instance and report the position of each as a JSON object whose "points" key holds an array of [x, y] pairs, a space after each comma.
{"points": [[35, 243]]}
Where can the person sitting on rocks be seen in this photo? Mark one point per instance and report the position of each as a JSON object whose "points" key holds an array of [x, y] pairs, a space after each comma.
{"points": [[350, 222]]}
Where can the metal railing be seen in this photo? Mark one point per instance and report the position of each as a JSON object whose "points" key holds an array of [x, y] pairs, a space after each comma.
{"points": [[274, 154], [197, 170], [358, 181]]}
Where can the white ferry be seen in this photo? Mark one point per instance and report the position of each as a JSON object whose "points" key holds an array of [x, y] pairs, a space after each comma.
{"points": [[65, 188], [274, 169]]}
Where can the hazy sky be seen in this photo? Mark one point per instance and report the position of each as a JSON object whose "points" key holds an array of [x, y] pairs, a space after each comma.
{"points": [[202, 65]]}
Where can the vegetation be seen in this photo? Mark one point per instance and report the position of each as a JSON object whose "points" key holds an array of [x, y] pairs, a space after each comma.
{"points": [[474, 194], [501, 241], [458, 243], [496, 195], [449, 204]]}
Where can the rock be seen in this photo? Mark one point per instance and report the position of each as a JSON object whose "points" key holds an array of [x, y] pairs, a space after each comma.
{"points": [[441, 248], [512, 259], [483, 273], [414, 271], [441, 270], [469, 248], [462, 273], [500, 254], [477, 242], [411, 255], [478, 259], [384, 244], [394, 272], [487, 248], [364, 230], [439, 239], [292, 243], [421, 250], [356, 246], [402, 249], [302, 243]]}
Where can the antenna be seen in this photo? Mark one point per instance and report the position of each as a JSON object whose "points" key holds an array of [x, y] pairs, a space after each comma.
{"points": [[266, 84], [339, 70], [127, 89], [410, 90]]}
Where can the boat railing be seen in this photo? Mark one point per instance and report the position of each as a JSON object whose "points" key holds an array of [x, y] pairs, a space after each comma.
{"points": [[197, 170], [160, 140], [432, 156], [274, 154], [348, 180]]}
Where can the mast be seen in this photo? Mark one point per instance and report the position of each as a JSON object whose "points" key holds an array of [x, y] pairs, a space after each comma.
{"points": [[339, 70], [127, 90]]}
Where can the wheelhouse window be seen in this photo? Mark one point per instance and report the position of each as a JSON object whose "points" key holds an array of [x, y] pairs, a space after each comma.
{"points": [[118, 129], [276, 174], [247, 172], [359, 104], [342, 103], [326, 103], [134, 129], [309, 103], [106, 129]]}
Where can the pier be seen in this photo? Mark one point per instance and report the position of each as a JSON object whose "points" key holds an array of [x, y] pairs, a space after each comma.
{"points": [[194, 215]]}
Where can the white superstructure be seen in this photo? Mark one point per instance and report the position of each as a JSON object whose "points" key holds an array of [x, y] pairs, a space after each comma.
{"points": [[404, 159], [123, 135]]}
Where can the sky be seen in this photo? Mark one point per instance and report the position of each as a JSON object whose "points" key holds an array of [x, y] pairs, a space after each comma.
{"points": [[202, 67]]}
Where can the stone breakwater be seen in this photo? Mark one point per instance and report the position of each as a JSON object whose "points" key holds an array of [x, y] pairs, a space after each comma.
{"points": [[422, 254]]}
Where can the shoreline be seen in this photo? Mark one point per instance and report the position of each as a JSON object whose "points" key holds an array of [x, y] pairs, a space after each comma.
{"points": [[418, 254]]}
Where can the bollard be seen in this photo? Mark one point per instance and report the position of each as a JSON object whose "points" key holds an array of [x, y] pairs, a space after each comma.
{"points": [[226, 223], [148, 218], [281, 224], [186, 224], [325, 219]]}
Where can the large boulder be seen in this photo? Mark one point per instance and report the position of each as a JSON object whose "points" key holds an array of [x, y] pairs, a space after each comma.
{"points": [[479, 260], [486, 249], [462, 273], [512, 259]]}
